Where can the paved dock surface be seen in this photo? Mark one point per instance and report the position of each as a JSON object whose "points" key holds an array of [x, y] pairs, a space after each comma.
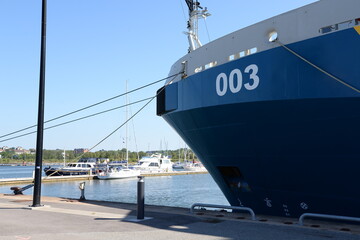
{"points": [[70, 219]]}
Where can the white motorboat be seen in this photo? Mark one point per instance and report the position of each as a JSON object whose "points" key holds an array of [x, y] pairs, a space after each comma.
{"points": [[154, 163], [194, 166], [118, 172]]}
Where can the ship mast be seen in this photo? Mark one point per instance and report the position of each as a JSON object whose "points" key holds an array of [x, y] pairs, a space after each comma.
{"points": [[195, 13]]}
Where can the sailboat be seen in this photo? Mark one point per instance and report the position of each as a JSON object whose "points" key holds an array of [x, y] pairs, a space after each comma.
{"points": [[179, 165], [120, 171]]}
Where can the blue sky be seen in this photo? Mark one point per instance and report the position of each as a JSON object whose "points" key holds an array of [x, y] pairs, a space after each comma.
{"points": [[93, 48]]}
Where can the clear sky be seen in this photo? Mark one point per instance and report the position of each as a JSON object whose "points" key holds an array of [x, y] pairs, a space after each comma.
{"points": [[93, 48]]}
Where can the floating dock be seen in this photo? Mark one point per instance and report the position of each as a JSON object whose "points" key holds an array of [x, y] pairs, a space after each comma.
{"points": [[7, 181]]}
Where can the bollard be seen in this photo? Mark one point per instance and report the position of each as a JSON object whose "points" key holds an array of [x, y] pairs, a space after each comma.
{"points": [[82, 188], [140, 197]]}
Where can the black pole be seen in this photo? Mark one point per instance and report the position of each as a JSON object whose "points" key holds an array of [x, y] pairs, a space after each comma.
{"points": [[40, 125], [140, 197]]}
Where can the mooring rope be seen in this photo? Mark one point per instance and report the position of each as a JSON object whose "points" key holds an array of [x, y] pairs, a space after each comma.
{"points": [[87, 107], [123, 124], [317, 67]]}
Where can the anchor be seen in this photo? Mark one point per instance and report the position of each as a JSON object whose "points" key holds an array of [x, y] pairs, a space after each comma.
{"points": [[19, 190]]}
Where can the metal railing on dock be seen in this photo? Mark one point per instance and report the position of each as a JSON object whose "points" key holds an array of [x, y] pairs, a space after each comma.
{"points": [[326, 217], [246, 209]]}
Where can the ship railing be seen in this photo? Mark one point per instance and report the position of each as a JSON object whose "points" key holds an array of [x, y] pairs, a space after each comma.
{"points": [[246, 209], [327, 217]]}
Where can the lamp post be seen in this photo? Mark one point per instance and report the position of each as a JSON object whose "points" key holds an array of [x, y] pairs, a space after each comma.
{"points": [[40, 125]]}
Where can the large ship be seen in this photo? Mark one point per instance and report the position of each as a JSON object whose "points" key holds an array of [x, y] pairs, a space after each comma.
{"points": [[273, 110]]}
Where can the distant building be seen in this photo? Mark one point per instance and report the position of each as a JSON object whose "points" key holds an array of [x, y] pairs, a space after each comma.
{"points": [[3, 149], [20, 150], [80, 150], [16, 150]]}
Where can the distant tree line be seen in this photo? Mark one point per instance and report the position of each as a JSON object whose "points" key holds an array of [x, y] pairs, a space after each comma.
{"points": [[112, 155]]}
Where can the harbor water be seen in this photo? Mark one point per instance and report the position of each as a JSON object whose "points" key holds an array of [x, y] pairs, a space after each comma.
{"points": [[176, 191]]}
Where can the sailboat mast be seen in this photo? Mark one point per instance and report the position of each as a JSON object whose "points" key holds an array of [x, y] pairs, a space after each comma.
{"points": [[126, 125], [64, 156]]}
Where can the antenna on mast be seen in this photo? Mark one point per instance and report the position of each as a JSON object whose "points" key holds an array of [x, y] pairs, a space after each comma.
{"points": [[194, 15]]}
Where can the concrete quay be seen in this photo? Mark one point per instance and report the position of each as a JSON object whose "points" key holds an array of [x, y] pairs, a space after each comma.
{"points": [[62, 218]]}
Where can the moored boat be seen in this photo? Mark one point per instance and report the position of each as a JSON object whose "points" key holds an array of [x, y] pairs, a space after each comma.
{"points": [[283, 96], [154, 163], [178, 165], [119, 172], [85, 166], [119, 169], [194, 166]]}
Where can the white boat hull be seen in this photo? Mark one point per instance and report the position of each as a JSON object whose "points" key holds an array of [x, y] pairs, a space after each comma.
{"points": [[123, 173]]}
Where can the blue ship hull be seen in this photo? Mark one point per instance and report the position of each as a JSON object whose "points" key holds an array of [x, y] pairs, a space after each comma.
{"points": [[287, 147]]}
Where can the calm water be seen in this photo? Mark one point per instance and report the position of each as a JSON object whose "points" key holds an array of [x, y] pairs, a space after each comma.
{"points": [[16, 172], [178, 191]]}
